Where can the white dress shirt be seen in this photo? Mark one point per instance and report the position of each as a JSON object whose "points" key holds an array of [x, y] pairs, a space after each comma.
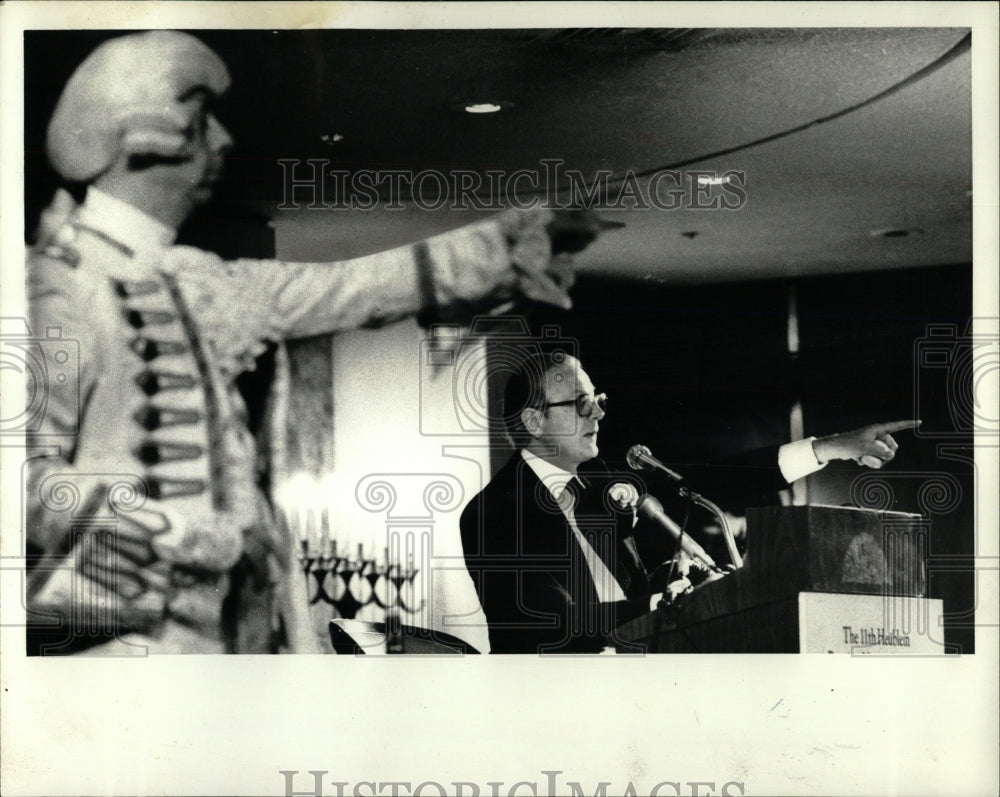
{"points": [[798, 459], [795, 460], [555, 480]]}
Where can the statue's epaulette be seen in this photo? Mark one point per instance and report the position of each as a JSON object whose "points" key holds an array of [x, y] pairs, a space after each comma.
{"points": [[62, 245], [64, 253]]}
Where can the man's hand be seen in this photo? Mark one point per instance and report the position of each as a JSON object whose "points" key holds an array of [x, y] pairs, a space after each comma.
{"points": [[550, 286], [572, 231], [871, 445], [543, 243], [569, 232], [212, 543]]}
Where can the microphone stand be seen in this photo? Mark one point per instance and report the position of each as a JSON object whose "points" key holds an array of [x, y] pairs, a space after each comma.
{"points": [[727, 533], [640, 457], [678, 547]]}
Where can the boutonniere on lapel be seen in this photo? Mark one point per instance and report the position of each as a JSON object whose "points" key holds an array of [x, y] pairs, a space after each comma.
{"points": [[624, 495]]}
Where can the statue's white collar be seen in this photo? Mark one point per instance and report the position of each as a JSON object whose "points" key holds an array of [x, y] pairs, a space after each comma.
{"points": [[124, 223]]}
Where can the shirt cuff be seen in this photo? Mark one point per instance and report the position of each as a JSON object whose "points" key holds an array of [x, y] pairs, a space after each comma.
{"points": [[798, 459]]}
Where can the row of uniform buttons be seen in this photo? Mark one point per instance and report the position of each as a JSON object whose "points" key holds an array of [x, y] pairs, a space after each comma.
{"points": [[152, 381]]}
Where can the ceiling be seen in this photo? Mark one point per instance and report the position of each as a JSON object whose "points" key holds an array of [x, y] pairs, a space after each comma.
{"points": [[817, 198]]}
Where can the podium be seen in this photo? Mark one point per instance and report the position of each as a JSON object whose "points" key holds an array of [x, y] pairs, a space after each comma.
{"points": [[815, 579]]}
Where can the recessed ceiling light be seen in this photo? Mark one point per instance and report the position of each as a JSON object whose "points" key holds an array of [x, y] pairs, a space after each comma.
{"points": [[714, 179], [482, 107], [896, 232]]}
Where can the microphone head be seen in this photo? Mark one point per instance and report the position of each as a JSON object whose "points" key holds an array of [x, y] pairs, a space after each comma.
{"points": [[636, 455]]}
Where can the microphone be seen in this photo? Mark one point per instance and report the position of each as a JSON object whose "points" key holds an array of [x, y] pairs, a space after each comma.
{"points": [[639, 457], [651, 509]]}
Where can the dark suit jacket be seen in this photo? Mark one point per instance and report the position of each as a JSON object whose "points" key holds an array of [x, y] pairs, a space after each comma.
{"points": [[529, 570]]}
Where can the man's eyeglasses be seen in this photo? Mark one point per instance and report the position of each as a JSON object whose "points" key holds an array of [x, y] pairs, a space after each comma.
{"points": [[585, 405]]}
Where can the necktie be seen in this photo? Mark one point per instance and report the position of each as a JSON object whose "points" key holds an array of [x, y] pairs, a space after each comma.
{"points": [[598, 524], [577, 488]]}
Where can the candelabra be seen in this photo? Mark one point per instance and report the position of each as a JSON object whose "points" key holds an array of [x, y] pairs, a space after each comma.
{"points": [[329, 516], [349, 583]]}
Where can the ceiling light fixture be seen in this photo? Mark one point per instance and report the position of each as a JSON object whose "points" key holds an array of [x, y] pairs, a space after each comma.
{"points": [[714, 179], [482, 107], [896, 232]]}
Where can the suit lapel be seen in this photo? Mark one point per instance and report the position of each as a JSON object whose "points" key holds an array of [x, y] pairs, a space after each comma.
{"points": [[609, 532], [545, 530], [545, 533], [547, 536]]}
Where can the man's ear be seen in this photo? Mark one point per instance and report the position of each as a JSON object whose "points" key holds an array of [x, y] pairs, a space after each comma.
{"points": [[531, 417]]}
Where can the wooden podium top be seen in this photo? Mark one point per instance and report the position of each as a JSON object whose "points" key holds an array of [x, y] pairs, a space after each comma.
{"points": [[792, 549]]}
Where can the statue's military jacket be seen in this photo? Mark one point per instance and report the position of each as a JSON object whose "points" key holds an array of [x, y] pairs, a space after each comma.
{"points": [[142, 504]]}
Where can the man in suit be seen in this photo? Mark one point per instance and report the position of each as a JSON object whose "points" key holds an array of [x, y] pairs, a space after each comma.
{"points": [[549, 542], [550, 551], [144, 525]]}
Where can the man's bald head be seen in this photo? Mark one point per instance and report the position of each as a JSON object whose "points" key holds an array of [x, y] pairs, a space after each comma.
{"points": [[132, 96]]}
